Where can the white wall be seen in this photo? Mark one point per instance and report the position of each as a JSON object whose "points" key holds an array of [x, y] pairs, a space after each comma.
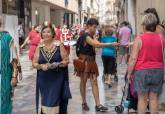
{"points": [[131, 13], [43, 12], [0, 7], [10, 24]]}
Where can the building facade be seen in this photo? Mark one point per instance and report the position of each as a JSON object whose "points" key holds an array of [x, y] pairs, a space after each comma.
{"points": [[58, 12], [107, 13], [132, 10], [19, 8], [88, 9]]}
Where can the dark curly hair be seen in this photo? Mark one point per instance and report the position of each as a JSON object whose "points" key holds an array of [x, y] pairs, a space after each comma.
{"points": [[92, 21], [48, 25]]}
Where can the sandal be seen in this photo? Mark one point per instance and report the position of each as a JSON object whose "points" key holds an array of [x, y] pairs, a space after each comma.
{"points": [[101, 108], [85, 107]]}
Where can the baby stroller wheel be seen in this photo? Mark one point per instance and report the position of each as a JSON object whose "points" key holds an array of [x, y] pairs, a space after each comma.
{"points": [[119, 109]]}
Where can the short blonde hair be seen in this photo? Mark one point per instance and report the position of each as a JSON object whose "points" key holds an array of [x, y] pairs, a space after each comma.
{"points": [[149, 21], [108, 30]]}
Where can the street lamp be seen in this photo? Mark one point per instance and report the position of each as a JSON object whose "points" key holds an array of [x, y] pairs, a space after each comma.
{"points": [[36, 14]]}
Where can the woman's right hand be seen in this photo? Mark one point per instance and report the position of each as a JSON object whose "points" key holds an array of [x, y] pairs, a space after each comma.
{"points": [[14, 82], [115, 44], [44, 67], [129, 77]]}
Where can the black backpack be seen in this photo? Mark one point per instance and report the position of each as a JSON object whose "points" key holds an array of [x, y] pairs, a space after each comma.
{"points": [[79, 45]]}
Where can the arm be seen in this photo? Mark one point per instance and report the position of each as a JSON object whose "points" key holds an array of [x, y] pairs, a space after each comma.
{"points": [[133, 58], [35, 63], [97, 44], [64, 55], [16, 68], [25, 42]]}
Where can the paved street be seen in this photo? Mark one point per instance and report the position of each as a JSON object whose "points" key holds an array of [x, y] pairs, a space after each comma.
{"points": [[24, 100]]}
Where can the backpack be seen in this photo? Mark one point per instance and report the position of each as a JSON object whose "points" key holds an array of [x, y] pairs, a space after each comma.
{"points": [[79, 45]]}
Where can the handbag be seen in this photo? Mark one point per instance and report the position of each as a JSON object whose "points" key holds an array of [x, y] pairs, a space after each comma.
{"points": [[79, 65]]}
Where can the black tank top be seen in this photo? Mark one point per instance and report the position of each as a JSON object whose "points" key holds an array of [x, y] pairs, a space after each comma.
{"points": [[87, 48]]}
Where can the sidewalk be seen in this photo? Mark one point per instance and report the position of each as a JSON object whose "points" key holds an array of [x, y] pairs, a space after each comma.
{"points": [[24, 100]]}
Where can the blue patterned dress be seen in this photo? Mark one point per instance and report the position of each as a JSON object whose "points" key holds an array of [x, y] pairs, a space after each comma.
{"points": [[5, 74], [52, 84]]}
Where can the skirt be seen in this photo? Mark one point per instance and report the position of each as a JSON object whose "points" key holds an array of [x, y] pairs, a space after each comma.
{"points": [[91, 67]]}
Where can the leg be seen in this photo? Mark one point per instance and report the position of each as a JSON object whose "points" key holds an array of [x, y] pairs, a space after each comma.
{"points": [[83, 81], [63, 106], [109, 80], [126, 58], [142, 102], [107, 64], [95, 90], [104, 66], [126, 52], [120, 58], [153, 103], [121, 54]]}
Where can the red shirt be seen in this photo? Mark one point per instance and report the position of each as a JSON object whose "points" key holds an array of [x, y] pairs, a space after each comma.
{"points": [[34, 38], [58, 34], [150, 56]]}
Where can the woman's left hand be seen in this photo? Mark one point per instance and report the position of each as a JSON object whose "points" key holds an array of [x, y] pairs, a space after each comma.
{"points": [[63, 63]]}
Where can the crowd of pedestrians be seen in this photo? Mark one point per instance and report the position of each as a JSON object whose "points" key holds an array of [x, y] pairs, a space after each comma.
{"points": [[50, 57]]}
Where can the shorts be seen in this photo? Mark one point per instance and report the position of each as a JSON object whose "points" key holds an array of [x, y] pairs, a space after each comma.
{"points": [[123, 50], [109, 64], [149, 80]]}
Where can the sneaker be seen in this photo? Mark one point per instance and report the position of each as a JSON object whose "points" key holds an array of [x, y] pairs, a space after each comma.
{"points": [[101, 108], [85, 107], [109, 85], [115, 78]]}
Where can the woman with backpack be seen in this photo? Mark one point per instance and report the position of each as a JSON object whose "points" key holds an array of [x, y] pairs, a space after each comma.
{"points": [[85, 50]]}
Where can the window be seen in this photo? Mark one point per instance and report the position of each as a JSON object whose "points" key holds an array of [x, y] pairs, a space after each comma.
{"points": [[9, 7]]}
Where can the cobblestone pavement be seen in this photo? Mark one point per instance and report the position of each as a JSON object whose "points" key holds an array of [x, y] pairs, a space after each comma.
{"points": [[24, 99]]}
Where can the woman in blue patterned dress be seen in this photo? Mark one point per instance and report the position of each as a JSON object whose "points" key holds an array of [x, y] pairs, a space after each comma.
{"points": [[8, 78], [51, 61]]}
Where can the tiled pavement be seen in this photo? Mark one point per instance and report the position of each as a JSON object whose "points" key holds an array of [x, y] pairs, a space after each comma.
{"points": [[24, 100]]}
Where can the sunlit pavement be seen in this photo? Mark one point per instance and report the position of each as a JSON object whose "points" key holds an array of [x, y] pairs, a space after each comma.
{"points": [[24, 99]]}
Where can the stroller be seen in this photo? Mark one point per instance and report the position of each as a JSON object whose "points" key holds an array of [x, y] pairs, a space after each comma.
{"points": [[129, 98]]}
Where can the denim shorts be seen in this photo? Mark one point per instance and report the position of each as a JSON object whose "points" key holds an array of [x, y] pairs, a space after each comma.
{"points": [[123, 50], [149, 80]]}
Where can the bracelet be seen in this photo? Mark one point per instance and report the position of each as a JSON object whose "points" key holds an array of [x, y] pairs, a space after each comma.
{"points": [[14, 77], [39, 66], [15, 72], [129, 73]]}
